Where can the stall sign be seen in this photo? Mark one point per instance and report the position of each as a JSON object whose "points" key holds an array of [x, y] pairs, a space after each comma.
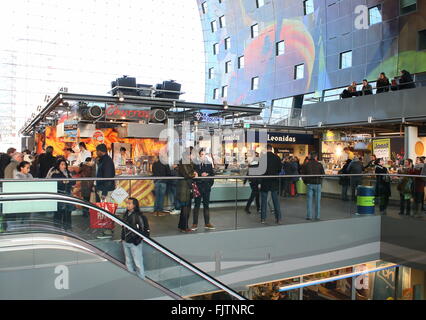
{"points": [[200, 116], [381, 148], [127, 112], [98, 136], [286, 138], [70, 130], [331, 136]]}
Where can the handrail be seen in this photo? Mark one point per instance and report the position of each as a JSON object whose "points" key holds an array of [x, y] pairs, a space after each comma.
{"points": [[5, 197], [219, 177]]}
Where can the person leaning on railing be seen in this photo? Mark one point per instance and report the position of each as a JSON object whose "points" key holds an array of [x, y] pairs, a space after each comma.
{"points": [[406, 81], [382, 83], [366, 89]]}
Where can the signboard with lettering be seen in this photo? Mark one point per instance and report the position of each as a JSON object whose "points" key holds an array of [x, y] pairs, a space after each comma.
{"points": [[125, 111], [286, 138], [382, 149]]}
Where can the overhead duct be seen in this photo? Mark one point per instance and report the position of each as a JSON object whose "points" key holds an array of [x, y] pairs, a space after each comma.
{"points": [[91, 113], [157, 115]]}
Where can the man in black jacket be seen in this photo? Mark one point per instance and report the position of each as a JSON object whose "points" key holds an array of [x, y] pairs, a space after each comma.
{"points": [[46, 161], [406, 81], [106, 169], [270, 185], [313, 167], [160, 170], [204, 168]]}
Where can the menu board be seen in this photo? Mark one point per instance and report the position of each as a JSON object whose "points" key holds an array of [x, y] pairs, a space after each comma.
{"points": [[382, 148]]}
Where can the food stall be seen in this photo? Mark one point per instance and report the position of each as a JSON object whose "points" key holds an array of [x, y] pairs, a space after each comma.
{"points": [[130, 127]]}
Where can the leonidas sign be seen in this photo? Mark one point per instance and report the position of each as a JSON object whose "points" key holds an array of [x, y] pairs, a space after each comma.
{"points": [[127, 112]]}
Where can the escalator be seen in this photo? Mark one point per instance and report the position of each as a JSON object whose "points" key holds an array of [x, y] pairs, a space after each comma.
{"points": [[28, 227]]}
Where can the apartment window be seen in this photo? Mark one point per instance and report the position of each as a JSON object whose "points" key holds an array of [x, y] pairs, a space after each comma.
{"points": [[407, 6], [215, 48], [211, 73], [213, 25], [222, 22], [375, 15], [220, 1], [241, 62], [227, 43], [260, 3], [224, 91], [308, 7], [227, 66], [280, 48], [422, 40], [299, 71], [255, 83], [204, 7], [215, 93], [254, 30], [345, 60]]}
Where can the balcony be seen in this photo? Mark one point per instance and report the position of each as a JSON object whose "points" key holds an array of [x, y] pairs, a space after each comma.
{"points": [[388, 107]]}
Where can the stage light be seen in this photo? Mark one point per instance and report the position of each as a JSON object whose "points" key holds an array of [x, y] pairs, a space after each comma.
{"points": [[225, 104], [120, 96]]}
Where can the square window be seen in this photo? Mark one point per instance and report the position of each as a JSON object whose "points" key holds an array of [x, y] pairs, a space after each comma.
{"points": [[241, 62], [280, 49], [215, 48], [407, 6], [345, 60], [215, 93], [308, 7], [254, 30], [227, 43], [375, 15], [422, 40], [255, 83], [222, 22], [211, 73], [204, 7], [227, 66], [260, 3], [224, 91], [213, 25], [299, 71]]}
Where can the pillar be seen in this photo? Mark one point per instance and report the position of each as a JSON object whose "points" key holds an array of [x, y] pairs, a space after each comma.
{"points": [[411, 136]]}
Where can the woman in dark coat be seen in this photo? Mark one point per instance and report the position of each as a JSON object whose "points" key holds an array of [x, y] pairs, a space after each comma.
{"points": [[382, 83], [383, 186], [345, 180], [184, 191], [62, 217]]}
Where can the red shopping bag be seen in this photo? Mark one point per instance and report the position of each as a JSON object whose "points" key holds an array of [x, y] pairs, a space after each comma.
{"points": [[99, 220], [292, 190]]}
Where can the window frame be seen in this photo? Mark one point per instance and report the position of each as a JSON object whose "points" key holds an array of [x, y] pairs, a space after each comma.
{"points": [[381, 16], [277, 48], [260, 6], [215, 93], [410, 12], [305, 13], [227, 43], [341, 59], [252, 30], [215, 49], [222, 22], [296, 69], [253, 79], [224, 89], [418, 40], [227, 66], [239, 62], [213, 23], [211, 73]]}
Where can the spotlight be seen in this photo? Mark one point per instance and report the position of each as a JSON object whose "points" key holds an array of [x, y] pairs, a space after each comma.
{"points": [[120, 96], [225, 104]]}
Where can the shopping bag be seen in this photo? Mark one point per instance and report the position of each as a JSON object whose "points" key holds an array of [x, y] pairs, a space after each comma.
{"points": [[99, 220], [292, 190], [300, 186], [195, 191]]}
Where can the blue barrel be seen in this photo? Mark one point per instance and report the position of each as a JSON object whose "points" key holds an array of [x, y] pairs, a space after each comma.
{"points": [[365, 200]]}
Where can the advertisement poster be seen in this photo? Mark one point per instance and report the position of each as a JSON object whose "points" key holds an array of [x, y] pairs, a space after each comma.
{"points": [[384, 283], [70, 130], [382, 149]]}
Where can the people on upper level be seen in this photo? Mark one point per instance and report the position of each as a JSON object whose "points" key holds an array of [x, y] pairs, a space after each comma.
{"points": [[382, 83], [366, 88], [406, 80]]}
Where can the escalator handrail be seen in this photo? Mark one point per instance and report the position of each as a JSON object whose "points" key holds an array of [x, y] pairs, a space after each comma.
{"points": [[43, 196]]}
